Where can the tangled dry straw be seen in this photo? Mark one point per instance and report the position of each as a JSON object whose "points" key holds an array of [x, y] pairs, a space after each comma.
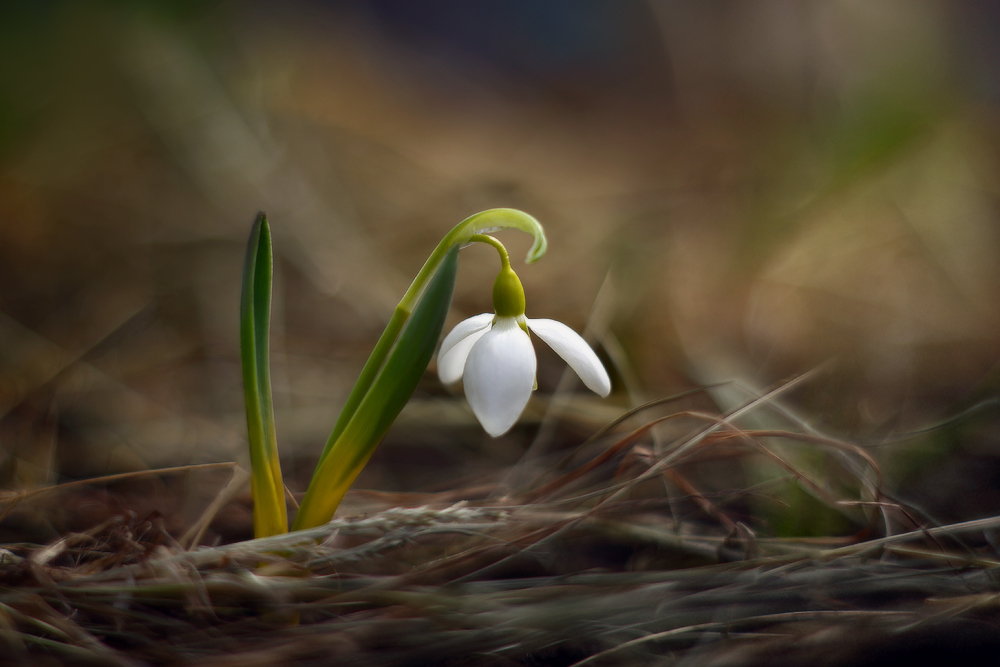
{"points": [[623, 559]]}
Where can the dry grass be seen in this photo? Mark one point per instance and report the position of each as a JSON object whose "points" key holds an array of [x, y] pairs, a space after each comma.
{"points": [[619, 558]]}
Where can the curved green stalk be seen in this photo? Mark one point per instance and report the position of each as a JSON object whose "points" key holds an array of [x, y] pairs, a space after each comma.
{"points": [[383, 401], [267, 488]]}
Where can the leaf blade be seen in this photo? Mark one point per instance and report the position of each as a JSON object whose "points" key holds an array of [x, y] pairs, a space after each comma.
{"points": [[269, 512], [386, 397]]}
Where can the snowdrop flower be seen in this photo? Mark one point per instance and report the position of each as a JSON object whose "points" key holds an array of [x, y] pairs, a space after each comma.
{"points": [[494, 353]]}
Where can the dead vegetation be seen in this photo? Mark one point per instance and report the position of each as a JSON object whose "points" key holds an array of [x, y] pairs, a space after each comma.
{"points": [[617, 555]]}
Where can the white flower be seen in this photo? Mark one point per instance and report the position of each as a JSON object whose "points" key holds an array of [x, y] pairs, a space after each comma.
{"points": [[495, 355]]}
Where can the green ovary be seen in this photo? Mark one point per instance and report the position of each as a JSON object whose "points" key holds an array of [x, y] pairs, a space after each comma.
{"points": [[508, 295]]}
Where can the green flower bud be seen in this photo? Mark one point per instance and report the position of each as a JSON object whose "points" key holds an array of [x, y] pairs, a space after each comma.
{"points": [[508, 295]]}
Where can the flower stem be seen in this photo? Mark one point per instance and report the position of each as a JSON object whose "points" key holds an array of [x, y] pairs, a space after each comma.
{"points": [[389, 392], [489, 240]]}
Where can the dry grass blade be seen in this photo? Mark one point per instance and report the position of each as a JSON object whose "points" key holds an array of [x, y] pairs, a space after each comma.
{"points": [[13, 498]]}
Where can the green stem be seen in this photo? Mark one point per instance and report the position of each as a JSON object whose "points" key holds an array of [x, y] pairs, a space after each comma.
{"points": [[389, 392], [489, 240], [482, 223]]}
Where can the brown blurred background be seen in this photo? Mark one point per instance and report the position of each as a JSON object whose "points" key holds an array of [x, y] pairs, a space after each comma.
{"points": [[762, 188]]}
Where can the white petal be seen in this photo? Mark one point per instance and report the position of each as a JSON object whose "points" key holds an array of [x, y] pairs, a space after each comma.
{"points": [[574, 350], [456, 345], [499, 376]]}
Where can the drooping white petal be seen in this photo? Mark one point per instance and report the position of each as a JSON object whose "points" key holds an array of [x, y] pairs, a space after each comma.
{"points": [[574, 350], [499, 376], [456, 345]]}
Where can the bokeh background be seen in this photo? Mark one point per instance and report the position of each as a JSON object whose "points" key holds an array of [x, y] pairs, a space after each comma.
{"points": [[733, 190]]}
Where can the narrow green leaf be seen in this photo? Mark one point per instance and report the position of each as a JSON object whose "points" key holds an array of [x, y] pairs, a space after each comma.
{"points": [[269, 515], [384, 400]]}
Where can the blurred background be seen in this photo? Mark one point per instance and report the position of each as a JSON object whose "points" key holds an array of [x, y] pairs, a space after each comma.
{"points": [[732, 191]]}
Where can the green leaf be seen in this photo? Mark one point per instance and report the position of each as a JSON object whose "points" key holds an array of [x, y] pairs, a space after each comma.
{"points": [[383, 401], [496, 219], [269, 514]]}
